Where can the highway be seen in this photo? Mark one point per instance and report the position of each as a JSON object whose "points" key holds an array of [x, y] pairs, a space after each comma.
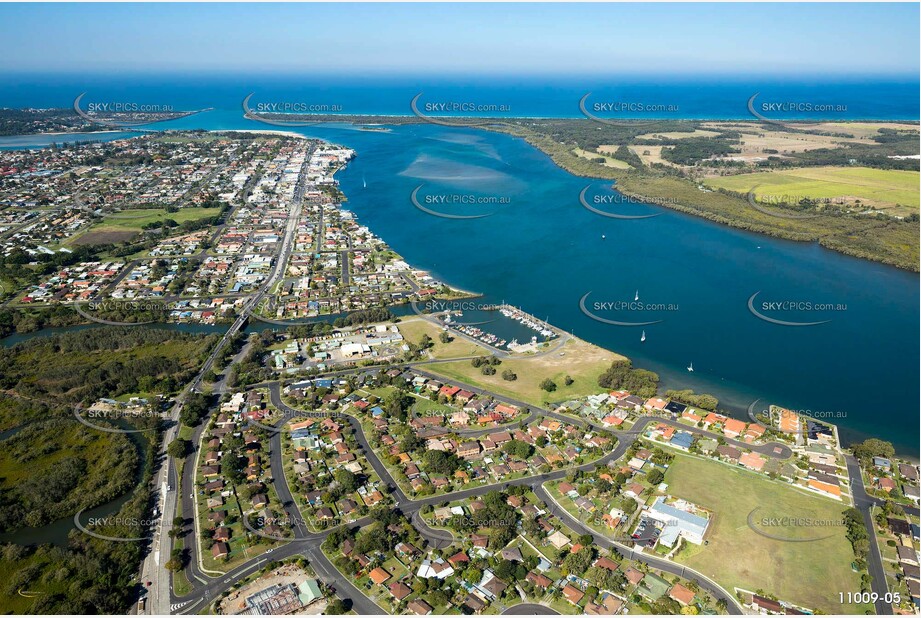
{"points": [[153, 567]]}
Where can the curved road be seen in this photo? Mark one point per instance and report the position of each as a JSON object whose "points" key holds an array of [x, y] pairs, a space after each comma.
{"points": [[717, 591], [530, 609]]}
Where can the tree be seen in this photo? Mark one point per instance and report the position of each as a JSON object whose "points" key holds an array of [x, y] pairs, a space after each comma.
{"points": [[655, 476], [873, 447], [509, 376], [174, 565], [518, 448], [338, 607], [473, 575], [346, 479], [441, 462], [195, 408], [444, 337], [548, 385], [568, 380], [178, 448], [488, 370]]}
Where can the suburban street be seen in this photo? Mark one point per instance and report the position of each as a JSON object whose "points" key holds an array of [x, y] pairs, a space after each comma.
{"points": [[207, 585]]}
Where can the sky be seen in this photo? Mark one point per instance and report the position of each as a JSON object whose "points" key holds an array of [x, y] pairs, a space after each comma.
{"points": [[809, 39]]}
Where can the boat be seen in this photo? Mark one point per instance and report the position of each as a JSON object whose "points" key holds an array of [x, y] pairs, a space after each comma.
{"points": [[643, 337], [691, 367], [636, 296], [364, 182], [603, 237]]}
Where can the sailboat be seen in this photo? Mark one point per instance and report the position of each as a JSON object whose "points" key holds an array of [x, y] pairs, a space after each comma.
{"points": [[643, 338], [636, 296], [691, 367]]}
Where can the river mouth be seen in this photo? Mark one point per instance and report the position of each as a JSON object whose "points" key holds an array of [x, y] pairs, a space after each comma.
{"points": [[543, 252]]}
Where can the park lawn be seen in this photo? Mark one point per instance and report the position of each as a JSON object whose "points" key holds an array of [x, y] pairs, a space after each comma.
{"points": [[413, 329], [883, 189], [578, 359], [133, 221], [806, 573]]}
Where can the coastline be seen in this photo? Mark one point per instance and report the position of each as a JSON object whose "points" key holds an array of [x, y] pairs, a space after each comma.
{"points": [[909, 457], [734, 211], [262, 132], [293, 134]]}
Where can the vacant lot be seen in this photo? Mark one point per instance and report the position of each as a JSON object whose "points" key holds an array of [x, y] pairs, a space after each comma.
{"points": [[122, 226], [102, 237], [895, 191], [650, 154], [413, 328], [608, 160], [677, 134], [809, 573], [581, 361]]}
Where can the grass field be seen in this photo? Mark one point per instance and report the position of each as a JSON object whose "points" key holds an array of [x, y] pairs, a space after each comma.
{"points": [[895, 191], [581, 361], [608, 160], [807, 573], [412, 330], [674, 135], [123, 225]]}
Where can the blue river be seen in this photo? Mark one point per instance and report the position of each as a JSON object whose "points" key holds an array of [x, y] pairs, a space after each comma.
{"points": [[539, 248]]}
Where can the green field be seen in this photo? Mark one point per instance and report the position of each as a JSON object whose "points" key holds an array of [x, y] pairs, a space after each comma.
{"points": [[123, 225], [808, 573], [581, 361], [412, 330], [882, 189], [609, 161]]}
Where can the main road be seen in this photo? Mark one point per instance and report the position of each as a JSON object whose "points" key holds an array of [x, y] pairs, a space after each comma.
{"points": [[153, 568]]}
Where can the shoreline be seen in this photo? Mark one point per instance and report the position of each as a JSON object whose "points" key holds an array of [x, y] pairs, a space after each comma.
{"points": [[272, 132], [453, 289]]}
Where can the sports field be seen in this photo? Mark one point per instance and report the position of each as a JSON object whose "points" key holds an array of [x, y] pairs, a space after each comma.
{"points": [[894, 191], [810, 573]]}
